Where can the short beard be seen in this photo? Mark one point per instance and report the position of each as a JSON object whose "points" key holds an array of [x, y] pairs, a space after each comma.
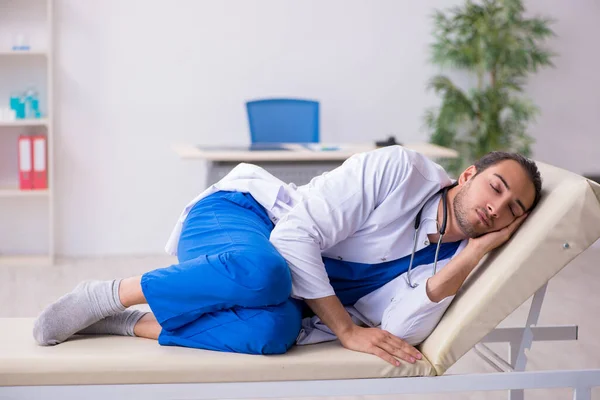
{"points": [[460, 211]]}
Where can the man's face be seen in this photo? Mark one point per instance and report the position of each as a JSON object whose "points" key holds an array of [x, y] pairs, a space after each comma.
{"points": [[492, 199]]}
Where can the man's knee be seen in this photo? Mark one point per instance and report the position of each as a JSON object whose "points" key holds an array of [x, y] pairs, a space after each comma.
{"points": [[279, 328], [266, 273]]}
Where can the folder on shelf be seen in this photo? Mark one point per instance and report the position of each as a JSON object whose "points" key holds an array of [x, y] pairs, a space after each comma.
{"points": [[25, 163], [40, 164]]}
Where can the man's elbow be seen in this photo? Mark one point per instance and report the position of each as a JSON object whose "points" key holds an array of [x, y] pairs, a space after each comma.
{"points": [[437, 292]]}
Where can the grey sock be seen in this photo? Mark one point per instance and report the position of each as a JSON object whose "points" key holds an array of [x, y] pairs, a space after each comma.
{"points": [[121, 324], [88, 303]]}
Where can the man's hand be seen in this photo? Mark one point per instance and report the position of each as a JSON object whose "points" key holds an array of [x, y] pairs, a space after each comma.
{"points": [[367, 340], [488, 242], [380, 343]]}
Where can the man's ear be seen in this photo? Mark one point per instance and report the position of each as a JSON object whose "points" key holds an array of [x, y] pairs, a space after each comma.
{"points": [[467, 174]]}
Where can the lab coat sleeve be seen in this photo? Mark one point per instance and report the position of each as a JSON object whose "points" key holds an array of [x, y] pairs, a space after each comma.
{"points": [[412, 316], [315, 331], [336, 206]]}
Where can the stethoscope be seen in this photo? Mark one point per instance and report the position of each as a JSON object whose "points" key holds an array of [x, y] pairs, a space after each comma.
{"points": [[442, 232]]}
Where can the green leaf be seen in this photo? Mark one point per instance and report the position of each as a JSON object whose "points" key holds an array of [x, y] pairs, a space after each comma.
{"points": [[492, 40]]}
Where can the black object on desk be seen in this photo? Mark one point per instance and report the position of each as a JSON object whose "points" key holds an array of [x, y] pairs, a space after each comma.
{"points": [[390, 141], [593, 177]]}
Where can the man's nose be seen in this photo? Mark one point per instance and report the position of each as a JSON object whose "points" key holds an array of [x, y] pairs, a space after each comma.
{"points": [[494, 208]]}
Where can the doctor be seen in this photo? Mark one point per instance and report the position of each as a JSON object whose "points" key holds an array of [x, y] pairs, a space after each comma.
{"points": [[256, 254]]}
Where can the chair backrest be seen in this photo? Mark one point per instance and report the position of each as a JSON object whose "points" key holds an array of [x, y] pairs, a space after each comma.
{"points": [[564, 224], [283, 121]]}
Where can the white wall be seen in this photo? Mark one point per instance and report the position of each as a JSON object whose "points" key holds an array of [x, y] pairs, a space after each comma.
{"points": [[135, 76], [568, 131]]}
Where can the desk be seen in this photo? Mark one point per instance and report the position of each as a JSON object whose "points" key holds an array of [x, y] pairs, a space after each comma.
{"points": [[290, 162]]}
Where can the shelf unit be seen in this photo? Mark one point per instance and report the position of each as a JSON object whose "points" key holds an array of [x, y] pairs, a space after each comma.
{"points": [[10, 194]]}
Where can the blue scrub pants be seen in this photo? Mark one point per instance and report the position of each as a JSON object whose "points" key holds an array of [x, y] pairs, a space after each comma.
{"points": [[231, 289]]}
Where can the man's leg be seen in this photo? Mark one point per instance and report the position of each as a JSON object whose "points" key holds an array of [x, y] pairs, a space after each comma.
{"points": [[267, 330], [243, 270], [130, 291], [225, 260], [264, 330], [263, 320], [249, 277], [183, 293], [147, 327]]}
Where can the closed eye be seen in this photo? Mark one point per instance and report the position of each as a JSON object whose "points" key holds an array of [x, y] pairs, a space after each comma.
{"points": [[498, 191]]}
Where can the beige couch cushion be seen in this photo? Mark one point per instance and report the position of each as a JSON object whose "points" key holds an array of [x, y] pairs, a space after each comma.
{"points": [[122, 360], [565, 223]]}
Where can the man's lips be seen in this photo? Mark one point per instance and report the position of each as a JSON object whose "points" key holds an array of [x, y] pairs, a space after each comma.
{"points": [[483, 218]]}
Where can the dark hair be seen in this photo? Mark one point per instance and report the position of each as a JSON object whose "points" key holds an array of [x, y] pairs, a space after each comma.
{"points": [[528, 166]]}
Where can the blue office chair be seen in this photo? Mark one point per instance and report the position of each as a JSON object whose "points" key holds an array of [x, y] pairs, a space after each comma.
{"points": [[283, 121]]}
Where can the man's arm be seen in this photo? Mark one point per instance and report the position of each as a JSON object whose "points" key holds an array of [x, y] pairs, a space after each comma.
{"points": [[447, 282], [368, 340], [336, 206]]}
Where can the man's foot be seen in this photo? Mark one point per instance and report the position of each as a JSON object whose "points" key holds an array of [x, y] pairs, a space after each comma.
{"points": [[88, 303]]}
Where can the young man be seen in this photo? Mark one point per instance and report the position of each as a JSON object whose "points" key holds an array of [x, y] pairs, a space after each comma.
{"points": [[253, 252]]}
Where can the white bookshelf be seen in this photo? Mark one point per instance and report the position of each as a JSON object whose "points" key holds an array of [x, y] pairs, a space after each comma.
{"points": [[35, 19]]}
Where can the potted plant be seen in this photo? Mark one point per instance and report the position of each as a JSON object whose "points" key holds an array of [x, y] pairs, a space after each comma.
{"points": [[498, 47]]}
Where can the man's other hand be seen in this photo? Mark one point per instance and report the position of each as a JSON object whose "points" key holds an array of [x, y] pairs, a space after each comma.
{"points": [[488, 242], [380, 343]]}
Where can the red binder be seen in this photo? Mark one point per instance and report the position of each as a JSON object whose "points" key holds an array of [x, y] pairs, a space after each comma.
{"points": [[40, 163], [25, 163]]}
